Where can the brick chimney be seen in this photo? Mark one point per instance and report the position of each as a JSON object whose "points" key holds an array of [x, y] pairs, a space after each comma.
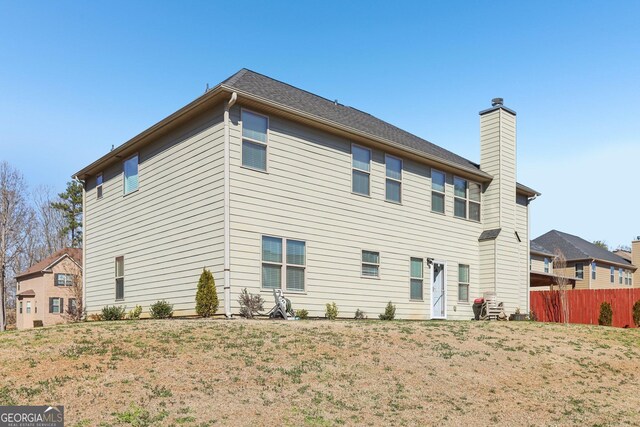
{"points": [[635, 260]]}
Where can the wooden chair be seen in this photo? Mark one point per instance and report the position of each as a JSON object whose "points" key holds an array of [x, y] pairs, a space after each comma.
{"points": [[492, 308]]}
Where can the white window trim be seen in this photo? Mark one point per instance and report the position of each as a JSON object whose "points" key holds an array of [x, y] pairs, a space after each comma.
{"points": [[361, 170], [416, 278], [464, 283], [100, 194], [124, 184], [255, 141], [28, 307], [620, 280], [444, 192], [594, 271], [576, 270], [547, 265], [467, 200], [115, 280], [612, 274], [283, 265], [370, 263], [53, 306], [386, 178]]}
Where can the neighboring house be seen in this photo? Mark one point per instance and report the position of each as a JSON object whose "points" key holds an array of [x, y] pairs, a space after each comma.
{"points": [[592, 266], [270, 186], [541, 269], [45, 290], [633, 258]]}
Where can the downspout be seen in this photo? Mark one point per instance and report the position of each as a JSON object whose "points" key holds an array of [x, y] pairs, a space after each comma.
{"points": [[227, 225]]}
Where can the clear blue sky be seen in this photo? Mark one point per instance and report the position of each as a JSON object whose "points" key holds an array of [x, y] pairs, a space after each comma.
{"points": [[77, 77]]}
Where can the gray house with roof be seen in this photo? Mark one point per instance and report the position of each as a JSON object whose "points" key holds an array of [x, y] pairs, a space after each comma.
{"points": [[272, 187], [592, 266]]}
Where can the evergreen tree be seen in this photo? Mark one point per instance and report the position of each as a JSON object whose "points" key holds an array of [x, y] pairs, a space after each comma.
{"points": [[206, 297], [70, 205]]}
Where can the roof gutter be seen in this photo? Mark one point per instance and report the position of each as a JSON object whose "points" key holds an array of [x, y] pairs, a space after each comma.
{"points": [[227, 215]]}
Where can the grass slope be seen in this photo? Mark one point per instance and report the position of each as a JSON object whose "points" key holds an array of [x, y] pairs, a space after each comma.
{"points": [[320, 373]]}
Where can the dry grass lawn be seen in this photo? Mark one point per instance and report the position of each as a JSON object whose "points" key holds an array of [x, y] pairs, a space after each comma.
{"points": [[321, 373]]}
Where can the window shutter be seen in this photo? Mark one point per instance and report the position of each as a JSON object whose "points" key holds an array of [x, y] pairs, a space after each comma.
{"points": [[61, 305], [55, 279], [50, 305]]}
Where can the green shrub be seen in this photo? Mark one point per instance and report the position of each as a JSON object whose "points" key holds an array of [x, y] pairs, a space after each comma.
{"points": [[161, 310], [636, 313], [135, 313], [389, 312], [331, 311], [606, 314], [115, 312], [532, 316], [302, 313], [250, 304], [206, 297], [360, 315]]}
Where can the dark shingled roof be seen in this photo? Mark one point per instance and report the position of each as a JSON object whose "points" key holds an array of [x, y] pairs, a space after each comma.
{"points": [[534, 247], [74, 253], [290, 96], [489, 234], [575, 248]]}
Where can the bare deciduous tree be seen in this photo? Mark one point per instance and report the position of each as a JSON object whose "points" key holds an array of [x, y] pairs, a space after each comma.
{"points": [[561, 279], [75, 292], [15, 214]]}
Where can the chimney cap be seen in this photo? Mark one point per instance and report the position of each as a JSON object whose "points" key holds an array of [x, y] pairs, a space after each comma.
{"points": [[497, 102]]}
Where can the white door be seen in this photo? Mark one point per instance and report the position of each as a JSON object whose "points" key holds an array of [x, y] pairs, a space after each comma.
{"points": [[438, 294]]}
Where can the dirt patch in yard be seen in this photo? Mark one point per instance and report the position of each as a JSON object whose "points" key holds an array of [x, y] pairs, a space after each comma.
{"points": [[217, 372]]}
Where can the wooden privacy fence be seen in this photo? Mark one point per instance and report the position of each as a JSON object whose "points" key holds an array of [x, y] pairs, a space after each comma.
{"points": [[584, 305]]}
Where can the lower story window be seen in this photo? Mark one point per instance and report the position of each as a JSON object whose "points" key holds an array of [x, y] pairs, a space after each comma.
{"points": [[463, 283], [416, 281], [119, 275], [28, 307], [370, 264], [280, 254], [55, 305], [73, 306]]}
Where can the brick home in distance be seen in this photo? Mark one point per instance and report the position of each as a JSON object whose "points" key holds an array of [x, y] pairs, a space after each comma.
{"points": [[270, 186], [45, 290]]}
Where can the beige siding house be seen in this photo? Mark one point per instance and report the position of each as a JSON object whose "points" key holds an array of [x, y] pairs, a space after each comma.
{"points": [[45, 290], [269, 186], [591, 266]]}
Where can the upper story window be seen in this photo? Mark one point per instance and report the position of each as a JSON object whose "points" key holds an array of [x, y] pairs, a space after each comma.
{"points": [[466, 203], [594, 266], [579, 271], [394, 179], [437, 191], [131, 174], [254, 140], [361, 170], [627, 278], [63, 279], [620, 275], [612, 274], [546, 265], [99, 186]]}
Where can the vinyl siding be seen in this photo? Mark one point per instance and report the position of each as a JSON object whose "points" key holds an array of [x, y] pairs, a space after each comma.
{"points": [[306, 195], [169, 229], [537, 264]]}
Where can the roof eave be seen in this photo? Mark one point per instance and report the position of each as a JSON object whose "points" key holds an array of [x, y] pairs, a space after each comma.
{"points": [[527, 191], [124, 149], [477, 173]]}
